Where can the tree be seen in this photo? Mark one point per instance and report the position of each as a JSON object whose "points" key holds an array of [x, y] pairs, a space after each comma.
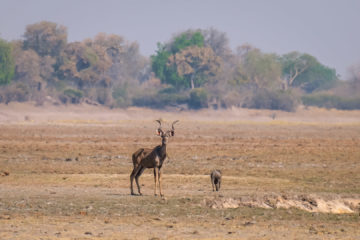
{"points": [[316, 77], [218, 42], [167, 73], [7, 65], [75, 58], [186, 39], [158, 62], [185, 62], [126, 62], [28, 69], [196, 64], [102, 67], [126, 70], [293, 65], [46, 68], [32, 74], [257, 69], [83, 64], [45, 38], [304, 71]]}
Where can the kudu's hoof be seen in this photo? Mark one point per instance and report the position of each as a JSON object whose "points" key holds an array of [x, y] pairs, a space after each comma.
{"points": [[134, 194]]}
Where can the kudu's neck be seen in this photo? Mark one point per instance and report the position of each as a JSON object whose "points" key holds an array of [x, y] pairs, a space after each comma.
{"points": [[163, 149]]}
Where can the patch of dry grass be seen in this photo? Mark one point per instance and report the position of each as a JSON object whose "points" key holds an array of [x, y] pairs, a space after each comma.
{"points": [[69, 176]]}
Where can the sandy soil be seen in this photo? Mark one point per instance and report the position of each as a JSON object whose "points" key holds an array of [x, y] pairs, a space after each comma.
{"points": [[64, 174]]}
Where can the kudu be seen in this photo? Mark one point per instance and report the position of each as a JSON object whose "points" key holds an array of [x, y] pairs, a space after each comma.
{"points": [[151, 158]]}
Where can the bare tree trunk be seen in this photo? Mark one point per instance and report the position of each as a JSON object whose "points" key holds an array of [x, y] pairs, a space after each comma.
{"points": [[257, 82], [290, 80], [285, 83], [192, 81]]}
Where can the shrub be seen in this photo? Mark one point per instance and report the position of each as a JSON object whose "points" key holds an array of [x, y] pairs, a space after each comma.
{"points": [[160, 100], [121, 98], [275, 100], [71, 95], [331, 101], [198, 98], [168, 90], [104, 96], [119, 93], [121, 102], [14, 92], [230, 99]]}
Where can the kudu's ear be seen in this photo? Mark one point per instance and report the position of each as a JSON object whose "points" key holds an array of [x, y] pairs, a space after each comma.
{"points": [[172, 132], [159, 130]]}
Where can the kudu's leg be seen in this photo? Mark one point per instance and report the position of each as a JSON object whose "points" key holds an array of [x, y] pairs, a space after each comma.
{"points": [[216, 184], [139, 171], [212, 183], [156, 178], [160, 178], [132, 175]]}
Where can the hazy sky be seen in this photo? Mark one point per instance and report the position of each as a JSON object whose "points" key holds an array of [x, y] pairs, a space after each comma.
{"points": [[326, 29]]}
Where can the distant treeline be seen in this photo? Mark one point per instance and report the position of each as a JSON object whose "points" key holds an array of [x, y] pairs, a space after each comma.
{"points": [[194, 69]]}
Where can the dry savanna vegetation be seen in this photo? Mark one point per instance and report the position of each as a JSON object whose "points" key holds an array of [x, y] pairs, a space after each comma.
{"points": [[65, 174], [193, 69]]}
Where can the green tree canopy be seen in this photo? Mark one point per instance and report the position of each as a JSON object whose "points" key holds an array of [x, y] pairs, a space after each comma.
{"points": [[185, 62], [7, 64], [293, 65], [305, 71], [317, 77], [187, 39]]}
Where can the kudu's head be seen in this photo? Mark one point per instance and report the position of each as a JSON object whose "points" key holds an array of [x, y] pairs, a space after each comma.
{"points": [[167, 134]]}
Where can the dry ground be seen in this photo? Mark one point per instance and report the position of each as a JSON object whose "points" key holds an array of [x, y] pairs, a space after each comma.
{"points": [[293, 177]]}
